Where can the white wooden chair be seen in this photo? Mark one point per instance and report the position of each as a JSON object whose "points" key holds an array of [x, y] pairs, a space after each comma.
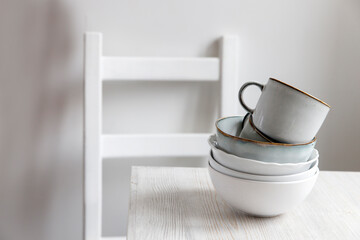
{"points": [[99, 68]]}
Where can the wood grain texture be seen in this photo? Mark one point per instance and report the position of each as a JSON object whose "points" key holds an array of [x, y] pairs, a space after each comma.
{"points": [[181, 203]]}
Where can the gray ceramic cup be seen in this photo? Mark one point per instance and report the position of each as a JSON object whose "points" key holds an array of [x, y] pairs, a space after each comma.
{"points": [[249, 131], [285, 113], [227, 140]]}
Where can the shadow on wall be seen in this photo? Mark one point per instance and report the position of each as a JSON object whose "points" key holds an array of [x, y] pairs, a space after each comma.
{"points": [[40, 122]]}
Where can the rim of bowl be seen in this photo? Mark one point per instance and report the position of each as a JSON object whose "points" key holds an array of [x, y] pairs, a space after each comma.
{"points": [[267, 183], [312, 168], [257, 161], [307, 94], [255, 141], [266, 163]]}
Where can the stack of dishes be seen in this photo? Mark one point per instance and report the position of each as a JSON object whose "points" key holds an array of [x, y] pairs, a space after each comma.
{"points": [[262, 174], [259, 187]]}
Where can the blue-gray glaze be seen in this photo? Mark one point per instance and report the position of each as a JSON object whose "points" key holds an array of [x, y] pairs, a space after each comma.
{"points": [[262, 151]]}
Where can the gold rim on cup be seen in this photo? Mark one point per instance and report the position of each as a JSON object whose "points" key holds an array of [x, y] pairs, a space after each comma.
{"points": [[276, 80]]}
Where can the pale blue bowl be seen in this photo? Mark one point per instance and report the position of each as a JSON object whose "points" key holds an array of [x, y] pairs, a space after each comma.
{"points": [[226, 129]]}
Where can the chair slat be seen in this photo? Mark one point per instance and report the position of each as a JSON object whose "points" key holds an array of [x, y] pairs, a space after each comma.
{"points": [[113, 238], [92, 134], [160, 69], [229, 76], [145, 145]]}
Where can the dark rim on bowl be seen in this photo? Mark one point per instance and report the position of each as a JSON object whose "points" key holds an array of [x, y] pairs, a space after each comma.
{"points": [[254, 141], [276, 80]]}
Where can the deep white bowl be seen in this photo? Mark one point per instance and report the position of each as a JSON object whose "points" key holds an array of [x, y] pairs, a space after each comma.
{"points": [[283, 178], [263, 199], [259, 167]]}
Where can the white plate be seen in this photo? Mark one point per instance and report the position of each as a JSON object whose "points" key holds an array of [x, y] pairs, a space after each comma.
{"points": [[283, 178], [259, 167]]}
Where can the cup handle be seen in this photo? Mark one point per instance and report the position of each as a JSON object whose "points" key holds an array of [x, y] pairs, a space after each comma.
{"points": [[241, 94]]}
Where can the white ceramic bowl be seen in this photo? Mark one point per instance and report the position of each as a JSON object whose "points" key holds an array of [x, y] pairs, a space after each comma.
{"points": [[263, 199], [259, 167], [283, 178]]}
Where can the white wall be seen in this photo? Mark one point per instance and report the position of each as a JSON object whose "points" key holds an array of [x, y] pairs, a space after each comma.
{"points": [[313, 45]]}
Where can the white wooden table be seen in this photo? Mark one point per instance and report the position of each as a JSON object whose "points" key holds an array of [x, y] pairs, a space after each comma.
{"points": [[180, 203]]}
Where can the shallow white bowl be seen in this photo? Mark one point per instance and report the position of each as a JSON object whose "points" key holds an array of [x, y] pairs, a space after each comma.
{"points": [[283, 178], [259, 167], [263, 199]]}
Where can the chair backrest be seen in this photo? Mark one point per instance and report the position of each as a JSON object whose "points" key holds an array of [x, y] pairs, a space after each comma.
{"points": [[99, 68]]}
